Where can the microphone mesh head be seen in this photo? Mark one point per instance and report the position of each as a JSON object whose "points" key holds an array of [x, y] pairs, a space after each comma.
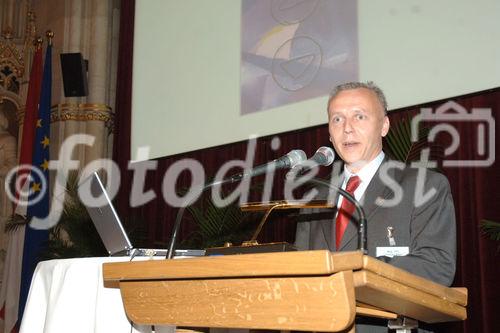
{"points": [[327, 155], [296, 156]]}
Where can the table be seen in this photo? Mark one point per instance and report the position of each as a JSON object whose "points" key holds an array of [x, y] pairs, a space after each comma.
{"points": [[67, 295]]}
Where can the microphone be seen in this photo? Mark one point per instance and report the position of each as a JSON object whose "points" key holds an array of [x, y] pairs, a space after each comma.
{"points": [[290, 160], [324, 156]]}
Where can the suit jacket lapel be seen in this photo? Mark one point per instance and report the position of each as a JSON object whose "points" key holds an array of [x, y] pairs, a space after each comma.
{"points": [[369, 201], [328, 226]]}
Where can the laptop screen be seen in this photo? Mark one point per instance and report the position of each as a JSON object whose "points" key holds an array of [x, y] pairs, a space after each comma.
{"points": [[106, 219]]}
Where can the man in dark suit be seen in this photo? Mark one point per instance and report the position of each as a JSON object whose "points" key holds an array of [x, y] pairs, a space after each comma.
{"points": [[409, 210]]}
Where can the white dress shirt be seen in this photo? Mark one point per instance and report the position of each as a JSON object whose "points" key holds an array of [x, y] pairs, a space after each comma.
{"points": [[365, 175]]}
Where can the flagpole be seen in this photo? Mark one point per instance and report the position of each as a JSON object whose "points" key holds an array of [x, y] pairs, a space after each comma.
{"points": [[35, 238], [50, 36], [38, 43]]}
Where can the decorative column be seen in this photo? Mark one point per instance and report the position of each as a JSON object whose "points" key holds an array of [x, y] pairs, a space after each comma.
{"points": [[73, 42], [89, 28], [98, 76], [16, 46]]}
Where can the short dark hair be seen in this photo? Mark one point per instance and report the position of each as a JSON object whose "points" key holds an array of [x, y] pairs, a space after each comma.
{"points": [[356, 85]]}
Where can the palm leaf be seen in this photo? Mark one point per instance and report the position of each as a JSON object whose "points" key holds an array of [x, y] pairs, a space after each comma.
{"points": [[399, 145], [218, 225], [491, 229], [14, 222], [74, 235]]}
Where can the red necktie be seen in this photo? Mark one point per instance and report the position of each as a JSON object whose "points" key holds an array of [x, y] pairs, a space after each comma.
{"points": [[345, 211]]}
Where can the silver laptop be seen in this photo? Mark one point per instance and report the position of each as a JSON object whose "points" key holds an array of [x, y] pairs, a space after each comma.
{"points": [[111, 231]]}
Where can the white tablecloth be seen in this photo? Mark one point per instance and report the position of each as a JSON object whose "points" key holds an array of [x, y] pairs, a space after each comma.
{"points": [[68, 295]]}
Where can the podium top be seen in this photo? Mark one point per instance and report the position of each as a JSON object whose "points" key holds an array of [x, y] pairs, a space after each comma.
{"points": [[301, 263]]}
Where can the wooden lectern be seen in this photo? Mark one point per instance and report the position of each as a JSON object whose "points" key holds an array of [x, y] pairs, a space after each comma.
{"points": [[307, 290]]}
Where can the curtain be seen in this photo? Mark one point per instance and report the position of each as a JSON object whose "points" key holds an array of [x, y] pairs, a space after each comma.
{"points": [[122, 119], [474, 189]]}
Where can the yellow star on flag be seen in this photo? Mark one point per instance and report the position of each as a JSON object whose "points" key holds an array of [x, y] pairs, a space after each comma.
{"points": [[45, 141], [36, 187], [45, 165], [39, 123]]}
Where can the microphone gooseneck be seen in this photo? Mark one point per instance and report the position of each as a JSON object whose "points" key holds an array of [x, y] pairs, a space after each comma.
{"points": [[362, 239], [291, 159]]}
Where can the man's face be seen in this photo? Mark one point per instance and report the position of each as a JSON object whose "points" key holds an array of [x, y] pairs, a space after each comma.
{"points": [[357, 123]]}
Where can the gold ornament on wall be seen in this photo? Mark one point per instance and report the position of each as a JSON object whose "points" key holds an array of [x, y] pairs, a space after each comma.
{"points": [[83, 112]]}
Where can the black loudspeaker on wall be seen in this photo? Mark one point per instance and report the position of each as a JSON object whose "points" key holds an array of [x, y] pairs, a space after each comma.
{"points": [[74, 72]]}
